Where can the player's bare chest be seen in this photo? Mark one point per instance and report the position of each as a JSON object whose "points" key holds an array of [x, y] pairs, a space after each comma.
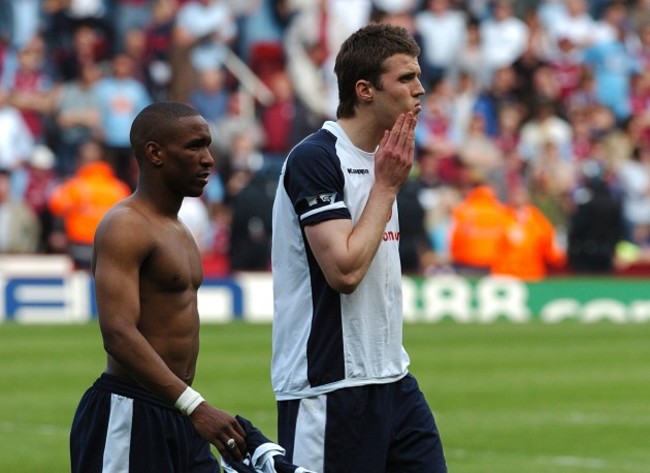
{"points": [[175, 261]]}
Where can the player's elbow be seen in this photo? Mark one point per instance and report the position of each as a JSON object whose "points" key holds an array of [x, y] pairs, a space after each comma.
{"points": [[345, 283], [114, 341]]}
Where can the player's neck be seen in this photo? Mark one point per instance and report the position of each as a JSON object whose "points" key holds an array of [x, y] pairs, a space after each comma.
{"points": [[362, 134], [161, 202]]}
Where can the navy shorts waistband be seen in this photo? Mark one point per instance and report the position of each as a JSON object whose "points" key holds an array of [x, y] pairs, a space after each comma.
{"points": [[113, 384]]}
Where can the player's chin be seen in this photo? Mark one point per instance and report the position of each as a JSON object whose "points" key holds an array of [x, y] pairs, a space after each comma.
{"points": [[194, 191]]}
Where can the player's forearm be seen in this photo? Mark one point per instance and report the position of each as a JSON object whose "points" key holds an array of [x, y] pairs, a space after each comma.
{"points": [[347, 262]]}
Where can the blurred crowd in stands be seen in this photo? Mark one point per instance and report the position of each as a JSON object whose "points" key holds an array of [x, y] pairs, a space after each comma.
{"points": [[533, 147]]}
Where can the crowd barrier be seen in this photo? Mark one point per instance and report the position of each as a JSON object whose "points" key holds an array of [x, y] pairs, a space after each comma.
{"points": [[47, 289]]}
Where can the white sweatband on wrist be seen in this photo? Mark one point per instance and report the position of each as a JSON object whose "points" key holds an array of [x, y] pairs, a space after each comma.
{"points": [[188, 401]]}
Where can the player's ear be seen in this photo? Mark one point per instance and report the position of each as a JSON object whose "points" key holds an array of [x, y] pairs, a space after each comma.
{"points": [[364, 91], [153, 152]]}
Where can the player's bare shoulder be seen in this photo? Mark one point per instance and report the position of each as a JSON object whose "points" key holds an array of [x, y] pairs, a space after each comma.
{"points": [[124, 233]]}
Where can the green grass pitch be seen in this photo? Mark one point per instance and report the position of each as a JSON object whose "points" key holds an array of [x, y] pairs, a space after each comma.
{"points": [[529, 398]]}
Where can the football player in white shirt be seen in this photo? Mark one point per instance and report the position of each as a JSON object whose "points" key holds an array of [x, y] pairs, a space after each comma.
{"points": [[346, 401]]}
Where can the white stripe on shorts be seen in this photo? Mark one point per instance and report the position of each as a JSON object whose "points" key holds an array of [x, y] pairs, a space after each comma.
{"points": [[309, 442], [118, 435]]}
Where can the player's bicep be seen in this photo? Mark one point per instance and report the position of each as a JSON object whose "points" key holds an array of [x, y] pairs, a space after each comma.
{"points": [[329, 243], [118, 256]]}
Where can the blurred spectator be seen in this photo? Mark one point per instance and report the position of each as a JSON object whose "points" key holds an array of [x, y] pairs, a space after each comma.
{"points": [[501, 91], [6, 26], [286, 121], [525, 69], [640, 92], [583, 96], [464, 94], [546, 87], [438, 196], [510, 118], [196, 217], [135, 47], [19, 227], [121, 97], [634, 180], [434, 131], [639, 13], [504, 37], [244, 159], [211, 96], [251, 203], [567, 68], [4, 52], [641, 51], [312, 37], [130, 15], [478, 152], [29, 87], [203, 31], [582, 135], [469, 58], [477, 226], [573, 23], [87, 46], [40, 180], [20, 20], [612, 66], [77, 116], [396, 7], [65, 18], [615, 23], [96, 13], [545, 126], [415, 246], [82, 200], [261, 31], [596, 225], [528, 245], [442, 33], [239, 119], [551, 179], [158, 44], [540, 42], [16, 140], [215, 256]]}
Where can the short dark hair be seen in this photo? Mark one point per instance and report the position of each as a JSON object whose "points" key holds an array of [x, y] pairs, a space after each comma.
{"points": [[362, 56], [155, 122]]}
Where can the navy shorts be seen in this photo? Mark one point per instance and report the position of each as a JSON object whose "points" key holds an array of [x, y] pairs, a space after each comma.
{"points": [[379, 428], [121, 427]]}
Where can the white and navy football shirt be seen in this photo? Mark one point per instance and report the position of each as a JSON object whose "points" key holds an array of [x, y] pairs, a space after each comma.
{"points": [[324, 340]]}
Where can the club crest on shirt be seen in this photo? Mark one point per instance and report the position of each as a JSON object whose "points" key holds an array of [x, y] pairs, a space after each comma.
{"points": [[321, 199]]}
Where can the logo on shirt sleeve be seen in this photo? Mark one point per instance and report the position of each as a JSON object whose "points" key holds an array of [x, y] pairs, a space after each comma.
{"points": [[321, 199]]}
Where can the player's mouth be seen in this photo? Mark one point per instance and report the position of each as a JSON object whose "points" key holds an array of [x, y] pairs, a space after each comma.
{"points": [[417, 109]]}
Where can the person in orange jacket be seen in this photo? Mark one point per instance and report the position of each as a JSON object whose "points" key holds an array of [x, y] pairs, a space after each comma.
{"points": [[82, 200], [477, 226], [527, 247]]}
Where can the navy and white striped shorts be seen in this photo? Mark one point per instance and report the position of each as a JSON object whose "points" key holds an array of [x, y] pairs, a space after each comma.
{"points": [[377, 428], [119, 427]]}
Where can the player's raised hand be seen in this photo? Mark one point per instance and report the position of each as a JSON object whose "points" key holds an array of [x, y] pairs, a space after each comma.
{"points": [[394, 158]]}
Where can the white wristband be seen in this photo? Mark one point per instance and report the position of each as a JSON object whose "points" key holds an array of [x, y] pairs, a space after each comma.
{"points": [[188, 401]]}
